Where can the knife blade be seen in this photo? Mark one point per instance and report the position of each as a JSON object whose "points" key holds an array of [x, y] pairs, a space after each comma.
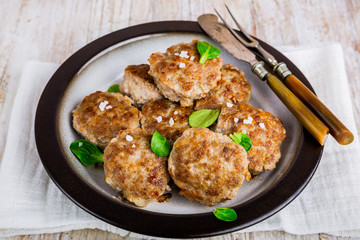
{"points": [[218, 32]]}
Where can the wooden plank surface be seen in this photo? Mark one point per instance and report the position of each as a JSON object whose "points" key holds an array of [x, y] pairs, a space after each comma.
{"points": [[91, 234], [52, 30]]}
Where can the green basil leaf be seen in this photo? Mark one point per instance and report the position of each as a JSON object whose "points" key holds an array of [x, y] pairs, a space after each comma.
{"points": [[114, 88], [86, 152], [159, 145], [207, 51], [225, 214], [203, 118], [242, 139]]}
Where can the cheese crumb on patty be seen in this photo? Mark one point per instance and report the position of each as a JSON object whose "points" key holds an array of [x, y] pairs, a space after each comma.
{"points": [[229, 104], [129, 138], [181, 65], [184, 54], [102, 105], [159, 119], [248, 120], [262, 125], [171, 122], [236, 120]]}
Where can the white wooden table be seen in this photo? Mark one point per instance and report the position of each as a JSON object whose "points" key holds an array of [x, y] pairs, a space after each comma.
{"points": [[52, 30]]}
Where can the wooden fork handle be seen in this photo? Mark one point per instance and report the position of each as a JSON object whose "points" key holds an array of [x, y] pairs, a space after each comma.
{"points": [[337, 128], [310, 121]]}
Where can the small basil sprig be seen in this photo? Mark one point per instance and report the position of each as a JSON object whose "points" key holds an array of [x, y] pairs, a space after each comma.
{"points": [[159, 145], [242, 139], [203, 118], [114, 88], [225, 214], [86, 152], [207, 51]]}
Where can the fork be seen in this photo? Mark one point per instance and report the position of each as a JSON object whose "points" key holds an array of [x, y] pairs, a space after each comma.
{"points": [[336, 127]]}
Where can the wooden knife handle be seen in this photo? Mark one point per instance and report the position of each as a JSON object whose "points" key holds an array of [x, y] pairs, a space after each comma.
{"points": [[316, 127], [337, 128]]}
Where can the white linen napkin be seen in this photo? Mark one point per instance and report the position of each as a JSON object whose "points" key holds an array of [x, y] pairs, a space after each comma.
{"points": [[30, 203]]}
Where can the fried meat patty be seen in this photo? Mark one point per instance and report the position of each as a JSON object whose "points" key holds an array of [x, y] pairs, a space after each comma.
{"points": [[166, 117], [232, 89], [101, 115], [139, 85], [179, 75], [208, 167], [265, 131], [133, 169]]}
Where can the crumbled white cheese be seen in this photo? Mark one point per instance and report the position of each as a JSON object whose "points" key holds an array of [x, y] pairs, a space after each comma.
{"points": [[248, 120], [181, 65], [80, 144], [133, 146], [171, 122], [177, 54], [262, 125], [108, 107], [102, 105], [176, 112], [228, 104], [236, 120], [243, 131], [192, 58], [159, 119], [129, 138], [184, 54]]}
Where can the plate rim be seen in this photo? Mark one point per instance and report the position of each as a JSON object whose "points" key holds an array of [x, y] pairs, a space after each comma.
{"points": [[134, 219]]}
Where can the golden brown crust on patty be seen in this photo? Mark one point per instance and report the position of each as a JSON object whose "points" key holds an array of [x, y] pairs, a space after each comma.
{"points": [[132, 167], [139, 85], [208, 167], [157, 115], [233, 88], [101, 115], [265, 131], [181, 79]]}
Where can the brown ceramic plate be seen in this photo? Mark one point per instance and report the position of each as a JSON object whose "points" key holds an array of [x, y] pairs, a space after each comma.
{"points": [[100, 64]]}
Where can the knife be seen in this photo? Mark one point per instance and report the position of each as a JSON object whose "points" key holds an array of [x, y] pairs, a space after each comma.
{"points": [[219, 32], [336, 128]]}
